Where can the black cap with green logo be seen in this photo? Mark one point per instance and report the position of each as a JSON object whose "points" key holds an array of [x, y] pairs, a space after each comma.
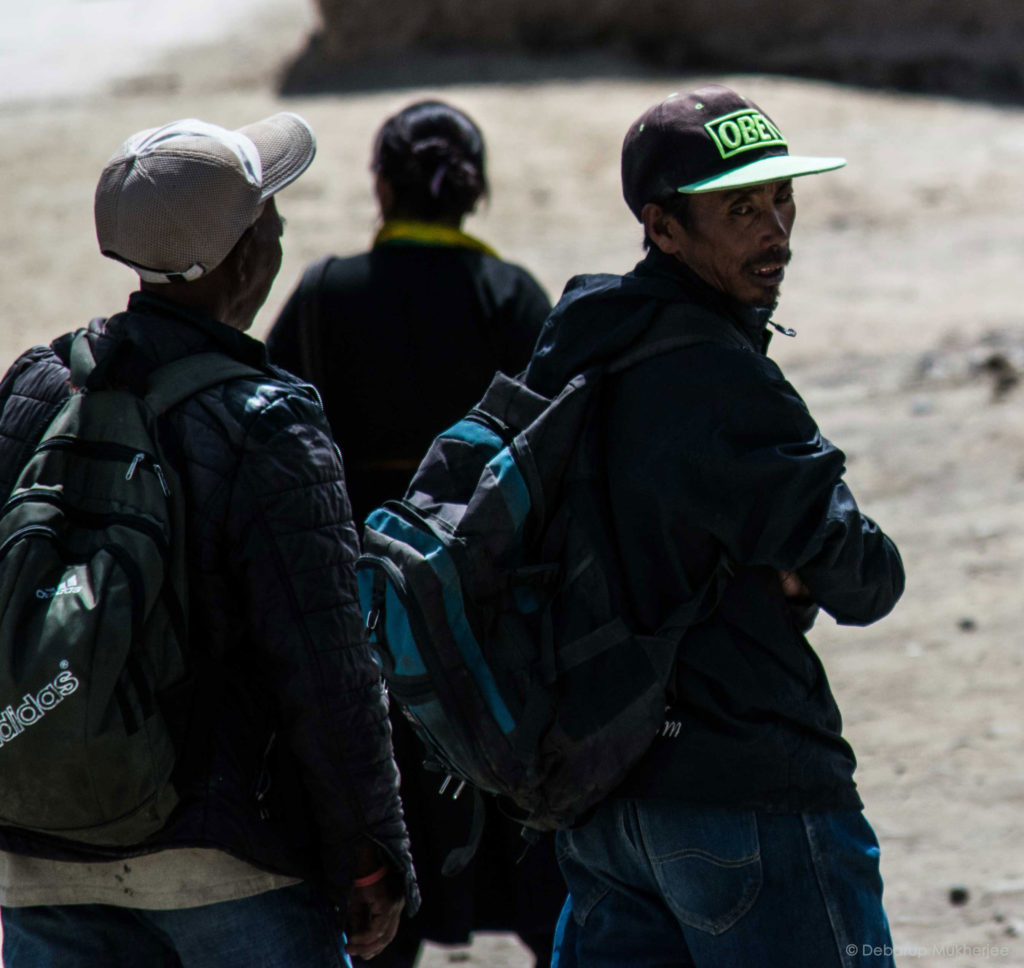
{"points": [[706, 141]]}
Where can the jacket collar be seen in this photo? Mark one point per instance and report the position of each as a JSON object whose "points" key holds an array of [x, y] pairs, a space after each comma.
{"points": [[411, 232], [153, 331], [752, 321], [197, 332]]}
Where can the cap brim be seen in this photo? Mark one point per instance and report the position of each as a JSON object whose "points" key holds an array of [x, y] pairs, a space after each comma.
{"points": [[286, 144], [774, 168]]}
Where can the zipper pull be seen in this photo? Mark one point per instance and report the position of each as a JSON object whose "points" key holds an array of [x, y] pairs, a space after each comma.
{"points": [[447, 782], [377, 599], [158, 470], [785, 330], [136, 460]]}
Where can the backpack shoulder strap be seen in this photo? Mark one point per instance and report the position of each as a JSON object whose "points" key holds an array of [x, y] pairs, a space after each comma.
{"points": [[174, 382], [81, 362], [677, 325]]}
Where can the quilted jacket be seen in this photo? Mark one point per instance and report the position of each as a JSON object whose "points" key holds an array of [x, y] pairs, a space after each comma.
{"points": [[287, 759]]}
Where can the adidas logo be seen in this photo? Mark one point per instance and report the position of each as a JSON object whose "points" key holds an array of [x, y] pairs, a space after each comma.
{"points": [[69, 586], [15, 720]]}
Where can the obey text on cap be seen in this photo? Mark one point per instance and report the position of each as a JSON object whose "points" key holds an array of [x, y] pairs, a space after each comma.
{"points": [[743, 131]]}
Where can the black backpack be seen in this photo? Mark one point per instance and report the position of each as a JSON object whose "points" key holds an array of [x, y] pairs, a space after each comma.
{"points": [[93, 612], [492, 597]]}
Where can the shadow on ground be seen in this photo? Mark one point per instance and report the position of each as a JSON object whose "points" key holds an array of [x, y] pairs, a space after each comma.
{"points": [[314, 72], [940, 70]]}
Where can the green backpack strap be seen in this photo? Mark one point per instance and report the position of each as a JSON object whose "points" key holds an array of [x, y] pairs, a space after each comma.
{"points": [[82, 361], [171, 383], [174, 382]]}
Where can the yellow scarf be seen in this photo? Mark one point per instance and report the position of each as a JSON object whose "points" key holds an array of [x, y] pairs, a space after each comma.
{"points": [[428, 233]]}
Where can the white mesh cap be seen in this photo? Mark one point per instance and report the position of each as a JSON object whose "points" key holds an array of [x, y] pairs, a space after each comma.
{"points": [[173, 201]]}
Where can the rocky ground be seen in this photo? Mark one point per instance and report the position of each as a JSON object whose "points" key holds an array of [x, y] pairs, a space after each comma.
{"points": [[904, 290]]}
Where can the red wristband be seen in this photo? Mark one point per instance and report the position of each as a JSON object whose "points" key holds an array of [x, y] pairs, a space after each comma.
{"points": [[377, 875]]}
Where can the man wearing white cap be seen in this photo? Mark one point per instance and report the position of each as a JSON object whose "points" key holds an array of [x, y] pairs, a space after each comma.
{"points": [[288, 826], [738, 838]]}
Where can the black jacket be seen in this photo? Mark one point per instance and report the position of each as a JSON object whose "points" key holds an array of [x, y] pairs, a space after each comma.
{"points": [[714, 460], [287, 760], [401, 341]]}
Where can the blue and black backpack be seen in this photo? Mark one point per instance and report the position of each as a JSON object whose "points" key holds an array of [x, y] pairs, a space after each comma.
{"points": [[493, 600]]}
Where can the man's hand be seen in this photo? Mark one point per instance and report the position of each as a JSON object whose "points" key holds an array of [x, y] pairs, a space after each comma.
{"points": [[793, 587], [373, 914], [802, 607]]}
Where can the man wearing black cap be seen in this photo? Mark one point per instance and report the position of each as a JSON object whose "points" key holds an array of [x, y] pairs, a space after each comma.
{"points": [[285, 824], [738, 839]]}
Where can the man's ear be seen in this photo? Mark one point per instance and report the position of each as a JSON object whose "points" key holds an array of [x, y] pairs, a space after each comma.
{"points": [[662, 229], [238, 257], [238, 264]]}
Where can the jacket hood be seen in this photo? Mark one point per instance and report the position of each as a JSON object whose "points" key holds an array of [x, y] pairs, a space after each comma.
{"points": [[598, 316]]}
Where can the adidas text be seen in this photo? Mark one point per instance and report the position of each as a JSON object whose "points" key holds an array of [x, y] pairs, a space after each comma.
{"points": [[69, 586], [15, 720]]}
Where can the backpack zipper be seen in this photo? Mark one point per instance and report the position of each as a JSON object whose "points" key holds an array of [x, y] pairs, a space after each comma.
{"points": [[138, 459], [447, 782], [482, 417], [135, 521], [108, 450], [411, 515], [23, 532]]}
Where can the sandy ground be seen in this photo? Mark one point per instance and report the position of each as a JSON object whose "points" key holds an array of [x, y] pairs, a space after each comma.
{"points": [[904, 290]]}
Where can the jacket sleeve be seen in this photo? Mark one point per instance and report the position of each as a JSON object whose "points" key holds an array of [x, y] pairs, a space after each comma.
{"points": [[770, 488], [297, 549], [31, 392]]}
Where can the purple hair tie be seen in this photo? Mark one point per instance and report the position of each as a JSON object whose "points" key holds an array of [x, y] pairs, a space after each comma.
{"points": [[435, 182]]}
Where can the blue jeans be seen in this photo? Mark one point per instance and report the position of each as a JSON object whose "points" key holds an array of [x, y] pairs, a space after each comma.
{"points": [[290, 927], [656, 884]]}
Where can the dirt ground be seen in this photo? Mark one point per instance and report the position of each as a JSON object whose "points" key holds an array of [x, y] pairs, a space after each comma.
{"points": [[905, 290]]}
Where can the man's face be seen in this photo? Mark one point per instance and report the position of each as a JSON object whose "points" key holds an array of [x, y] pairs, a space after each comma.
{"points": [[738, 240]]}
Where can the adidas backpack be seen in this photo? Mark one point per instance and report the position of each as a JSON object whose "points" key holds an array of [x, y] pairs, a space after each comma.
{"points": [[492, 598], [93, 612]]}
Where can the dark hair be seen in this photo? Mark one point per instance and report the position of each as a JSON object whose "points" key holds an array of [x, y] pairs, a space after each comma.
{"points": [[432, 156], [678, 206]]}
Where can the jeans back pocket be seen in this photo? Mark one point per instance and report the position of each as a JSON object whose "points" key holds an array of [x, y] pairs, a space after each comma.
{"points": [[707, 861]]}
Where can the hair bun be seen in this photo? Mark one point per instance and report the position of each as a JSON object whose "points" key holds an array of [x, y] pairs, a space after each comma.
{"points": [[433, 157]]}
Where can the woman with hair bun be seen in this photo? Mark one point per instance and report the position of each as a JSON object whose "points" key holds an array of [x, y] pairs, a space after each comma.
{"points": [[401, 341]]}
